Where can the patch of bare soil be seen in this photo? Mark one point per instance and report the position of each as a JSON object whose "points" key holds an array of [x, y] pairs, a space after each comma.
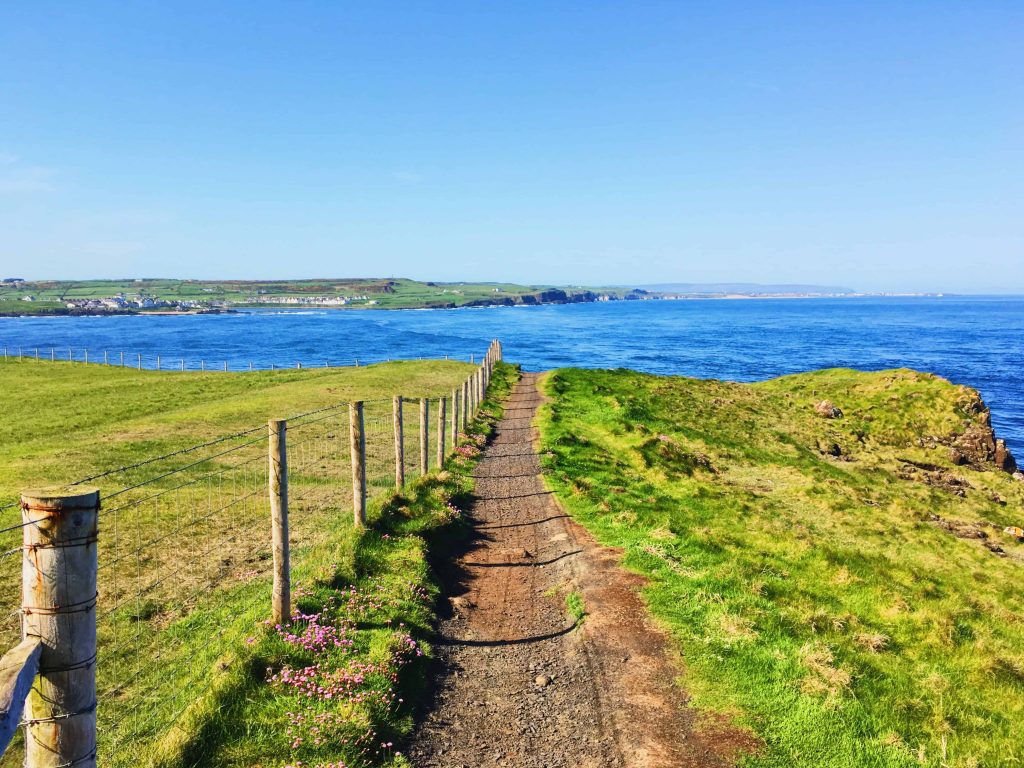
{"points": [[520, 683]]}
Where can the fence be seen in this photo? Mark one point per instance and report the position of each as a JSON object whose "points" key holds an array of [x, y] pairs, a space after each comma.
{"points": [[125, 611], [161, 362]]}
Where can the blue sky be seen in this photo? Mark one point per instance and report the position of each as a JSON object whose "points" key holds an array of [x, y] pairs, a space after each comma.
{"points": [[876, 145]]}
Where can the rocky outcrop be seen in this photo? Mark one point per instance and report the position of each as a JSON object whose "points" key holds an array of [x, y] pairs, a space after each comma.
{"points": [[1003, 458], [828, 410], [499, 301], [978, 445]]}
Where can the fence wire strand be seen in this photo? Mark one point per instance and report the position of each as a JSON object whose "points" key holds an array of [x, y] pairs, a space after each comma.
{"points": [[185, 560]]}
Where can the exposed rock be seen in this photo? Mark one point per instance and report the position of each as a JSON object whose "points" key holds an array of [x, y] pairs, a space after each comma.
{"points": [[977, 444], [1015, 531], [542, 681], [829, 448], [828, 410], [1003, 458], [933, 475], [1019, 476], [957, 458]]}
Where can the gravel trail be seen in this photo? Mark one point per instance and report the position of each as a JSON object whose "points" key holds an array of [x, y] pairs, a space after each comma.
{"points": [[520, 683]]}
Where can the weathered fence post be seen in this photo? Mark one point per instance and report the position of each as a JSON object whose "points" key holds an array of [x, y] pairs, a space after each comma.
{"points": [[182, 361], [278, 454], [158, 362], [396, 412], [465, 404], [442, 419], [106, 359], [86, 356], [59, 565], [357, 441], [424, 435], [122, 358], [455, 417], [140, 361]]}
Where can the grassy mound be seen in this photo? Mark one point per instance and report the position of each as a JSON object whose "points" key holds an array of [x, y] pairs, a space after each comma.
{"points": [[833, 578]]}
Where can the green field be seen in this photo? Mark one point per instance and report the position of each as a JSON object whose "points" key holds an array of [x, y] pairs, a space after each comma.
{"points": [[184, 560], [395, 293], [71, 420], [836, 585]]}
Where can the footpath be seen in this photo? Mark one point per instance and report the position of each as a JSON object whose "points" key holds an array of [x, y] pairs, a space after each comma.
{"points": [[522, 682]]}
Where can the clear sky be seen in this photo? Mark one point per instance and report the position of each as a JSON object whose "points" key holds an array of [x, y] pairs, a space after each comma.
{"points": [[878, 145]]}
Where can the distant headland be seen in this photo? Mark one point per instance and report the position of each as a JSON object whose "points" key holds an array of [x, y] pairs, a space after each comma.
{"points": [[152, 295]]}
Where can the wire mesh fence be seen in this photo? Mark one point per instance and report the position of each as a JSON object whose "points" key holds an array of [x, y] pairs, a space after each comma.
{"points": [[185, 558], [154, 361]]}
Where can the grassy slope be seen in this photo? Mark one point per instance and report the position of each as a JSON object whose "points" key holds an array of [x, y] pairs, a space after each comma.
{"points": [[813, 596], [380, 580], [64, 421]]}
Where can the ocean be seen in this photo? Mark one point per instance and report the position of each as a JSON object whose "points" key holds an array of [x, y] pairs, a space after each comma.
{"points": [[978, 341]]}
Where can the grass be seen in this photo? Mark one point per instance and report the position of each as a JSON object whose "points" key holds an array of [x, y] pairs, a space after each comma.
{"points": [[824, 601], [575, 606], [70, 420], [184, 562]]}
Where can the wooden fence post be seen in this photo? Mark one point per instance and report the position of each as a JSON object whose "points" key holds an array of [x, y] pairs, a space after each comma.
{"points": [[59, 565], [465, 404], [282, 597], [455, 417], [396, 411], [424, 435], [442, 418], [357, 441]]}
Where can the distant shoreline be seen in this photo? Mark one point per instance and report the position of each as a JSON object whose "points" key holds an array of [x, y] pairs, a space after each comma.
{"points": [[290, 309]]}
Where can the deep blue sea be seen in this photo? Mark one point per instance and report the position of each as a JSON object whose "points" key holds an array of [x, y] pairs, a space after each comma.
{"points": [[977, 341]]}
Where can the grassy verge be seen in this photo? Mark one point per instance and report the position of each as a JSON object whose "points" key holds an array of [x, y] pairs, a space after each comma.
{"points": [[338, 687], [836, 584]]}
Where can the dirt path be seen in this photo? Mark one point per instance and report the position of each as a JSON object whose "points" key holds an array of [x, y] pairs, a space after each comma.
{"points": [[520, 684]]}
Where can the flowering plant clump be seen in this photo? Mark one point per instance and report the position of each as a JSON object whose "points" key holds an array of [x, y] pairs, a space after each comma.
{"points": [[468, 451], [337, 690], [450, 513]]}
